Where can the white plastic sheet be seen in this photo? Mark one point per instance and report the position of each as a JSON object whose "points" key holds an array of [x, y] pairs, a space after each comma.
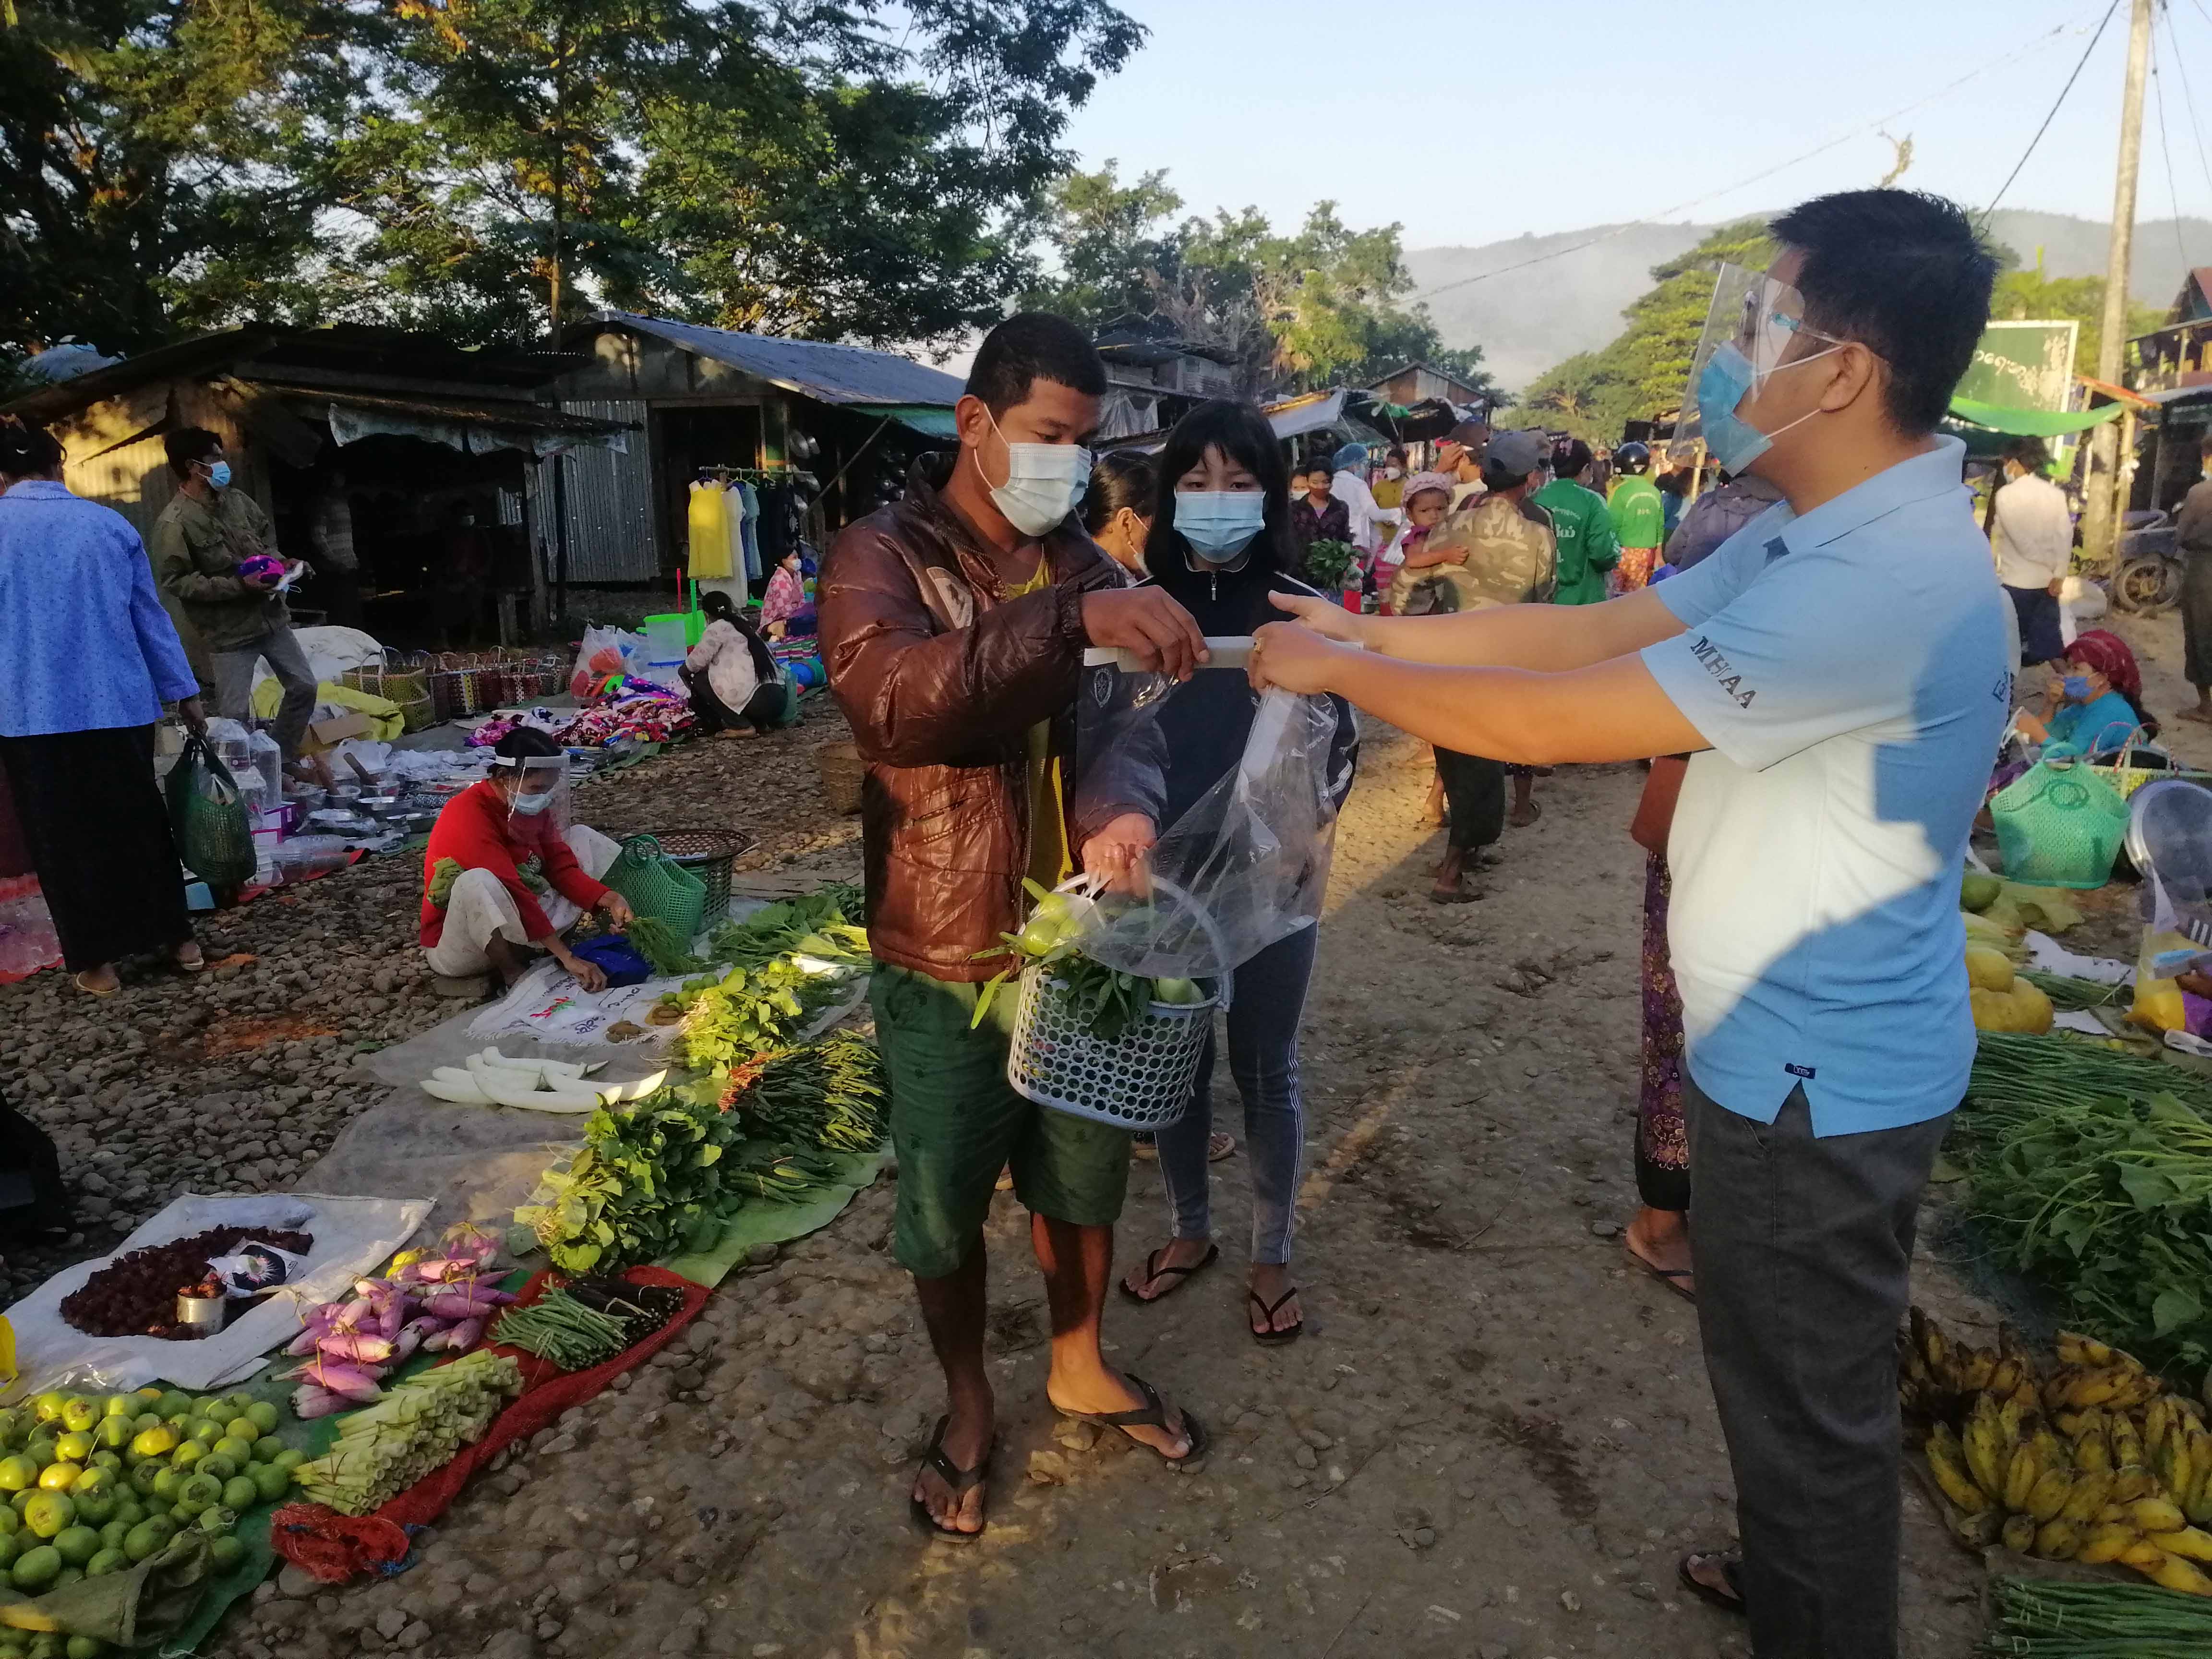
{"points": [[353, 1237]]}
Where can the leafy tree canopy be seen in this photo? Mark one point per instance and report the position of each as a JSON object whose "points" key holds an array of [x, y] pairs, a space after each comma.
{"points": [[840, 168], [2025, 292], [1323, 306]]}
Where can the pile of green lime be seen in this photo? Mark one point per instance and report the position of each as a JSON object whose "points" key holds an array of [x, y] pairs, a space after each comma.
{"points": [[89, 1485]]}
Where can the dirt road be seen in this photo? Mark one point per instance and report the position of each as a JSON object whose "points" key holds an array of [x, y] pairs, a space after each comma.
{"points": [[1495, 1440]]}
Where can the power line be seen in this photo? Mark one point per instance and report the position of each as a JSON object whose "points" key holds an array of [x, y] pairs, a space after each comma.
{"points": [[2189, 97], [2053, 115], [2165, 150], [1879, 122]]}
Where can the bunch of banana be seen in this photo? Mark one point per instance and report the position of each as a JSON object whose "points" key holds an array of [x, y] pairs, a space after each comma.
{"points": [[2094, 1463]]}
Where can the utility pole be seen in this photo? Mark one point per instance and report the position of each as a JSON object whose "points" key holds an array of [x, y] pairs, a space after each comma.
{"points": [[2101, 520]]}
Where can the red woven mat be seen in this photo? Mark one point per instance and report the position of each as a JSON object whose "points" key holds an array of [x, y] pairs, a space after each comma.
{"points": [[336, 1547]]}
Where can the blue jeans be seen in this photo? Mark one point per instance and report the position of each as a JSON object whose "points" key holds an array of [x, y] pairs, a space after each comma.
{"points": [[1268, 999]]}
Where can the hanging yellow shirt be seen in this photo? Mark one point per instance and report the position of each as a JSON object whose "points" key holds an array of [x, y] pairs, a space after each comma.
{"points": [[1048, 861], [709, 533]]}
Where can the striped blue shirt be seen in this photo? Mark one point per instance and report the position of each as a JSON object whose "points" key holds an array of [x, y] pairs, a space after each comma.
{"points": [[84, 642]]}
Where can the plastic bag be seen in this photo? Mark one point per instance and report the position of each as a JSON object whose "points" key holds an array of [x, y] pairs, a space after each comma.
{"points": [[206, 811], [254, 1266], [1246, 862], [603, 653]]}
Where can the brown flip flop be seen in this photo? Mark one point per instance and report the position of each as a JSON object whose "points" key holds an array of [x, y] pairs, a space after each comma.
{"points": [[1672, 1278]]}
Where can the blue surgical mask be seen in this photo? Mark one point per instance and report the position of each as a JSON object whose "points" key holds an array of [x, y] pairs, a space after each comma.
{"points": [[2075, 686], [1219, 524], [531, 805], [1724, 382], [219, 475]]}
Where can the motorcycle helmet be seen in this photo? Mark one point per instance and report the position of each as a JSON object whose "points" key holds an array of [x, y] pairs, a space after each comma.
{"points": [[1632, 457]]}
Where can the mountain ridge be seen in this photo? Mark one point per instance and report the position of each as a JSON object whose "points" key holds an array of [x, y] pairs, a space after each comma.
{"points": [[1526, 320]]}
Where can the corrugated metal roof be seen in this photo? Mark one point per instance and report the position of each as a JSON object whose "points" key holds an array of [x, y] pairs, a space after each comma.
{"points": [[828, 373]]}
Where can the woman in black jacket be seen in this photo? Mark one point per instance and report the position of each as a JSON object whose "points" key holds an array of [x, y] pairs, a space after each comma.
{"points": [[1220, 543]]}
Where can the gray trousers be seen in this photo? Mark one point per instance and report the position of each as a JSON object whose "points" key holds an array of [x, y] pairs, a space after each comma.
{"points": [[1802, 1250], [234, 685]]}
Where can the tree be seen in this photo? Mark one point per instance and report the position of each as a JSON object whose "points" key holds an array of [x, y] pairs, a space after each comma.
{"points": [[2023, 293], [1320, 307], [1645, 369]]}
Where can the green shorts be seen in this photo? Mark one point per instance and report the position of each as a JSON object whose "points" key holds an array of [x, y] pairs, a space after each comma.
{"points": [[956, 1122]]}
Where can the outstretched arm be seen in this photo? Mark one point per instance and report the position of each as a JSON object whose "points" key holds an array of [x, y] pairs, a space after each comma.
{"points": [[1546, 638], [1609, 711]]}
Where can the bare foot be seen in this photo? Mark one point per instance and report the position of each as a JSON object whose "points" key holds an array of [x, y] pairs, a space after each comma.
{"points": [[2200, 714], [1523, 814], [966, 1444], [1270, 1281], [1166, 1268], [1432, 810]]}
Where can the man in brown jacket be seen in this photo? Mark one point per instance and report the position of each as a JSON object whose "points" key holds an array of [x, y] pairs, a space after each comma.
{"points": [[953, 625]]}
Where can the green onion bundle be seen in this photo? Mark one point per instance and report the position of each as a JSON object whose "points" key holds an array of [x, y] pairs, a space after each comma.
{"points": [[784, 1176], [660, 945], [412, 1433], [830, 1095], [2054, 1619], [2016, 1073], [2067, 994]]}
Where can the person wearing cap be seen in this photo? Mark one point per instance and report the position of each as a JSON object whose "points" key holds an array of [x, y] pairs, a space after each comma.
{"points": [[1836, 771], [502, 882], [1639, 519], [1371, 522], [1504, 528], [1581, 523]]}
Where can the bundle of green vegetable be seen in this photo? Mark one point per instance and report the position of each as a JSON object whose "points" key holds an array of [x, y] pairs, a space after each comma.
{"points": [[662, 947], [588, 1321], [2067, 993], [1107, 1000], [828, 1095], [745, 1013], [413, 1432], [2100, 1187], [823, 924], [783, 1175], [645, 1184], [2057, 1618]]}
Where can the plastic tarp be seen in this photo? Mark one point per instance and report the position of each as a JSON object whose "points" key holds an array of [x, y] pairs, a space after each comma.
{"points": [[2031, 423], [352, 1236]]}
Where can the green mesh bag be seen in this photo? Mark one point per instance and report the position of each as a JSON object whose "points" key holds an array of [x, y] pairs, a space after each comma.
{"points": [[207, 814], [657, 886], [2059, 824]]}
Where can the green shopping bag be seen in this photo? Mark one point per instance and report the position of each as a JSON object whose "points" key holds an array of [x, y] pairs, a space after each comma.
{"points": [[207, 816], [657, 886], [2059, 824]]}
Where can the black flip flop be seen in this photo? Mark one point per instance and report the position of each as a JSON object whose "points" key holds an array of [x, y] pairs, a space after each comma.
{"points": [[1181, 1275], [1152, 1415], [1272, 1338], [1726, 1601], [1672, 1278], [1453, 896], [957, 1481]]}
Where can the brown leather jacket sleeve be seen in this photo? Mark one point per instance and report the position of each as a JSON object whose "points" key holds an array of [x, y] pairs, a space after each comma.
{"points": [[917, 696]]}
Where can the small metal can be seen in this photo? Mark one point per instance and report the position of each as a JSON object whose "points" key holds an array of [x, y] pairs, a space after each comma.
{"points": [[203, 1314]]}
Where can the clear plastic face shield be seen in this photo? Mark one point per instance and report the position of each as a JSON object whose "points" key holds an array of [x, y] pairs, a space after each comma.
{"points": [[535, 786], [1754, 329]]}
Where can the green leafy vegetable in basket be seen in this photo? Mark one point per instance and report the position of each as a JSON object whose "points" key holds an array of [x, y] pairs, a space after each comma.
{"points": [[1108, 1000]]}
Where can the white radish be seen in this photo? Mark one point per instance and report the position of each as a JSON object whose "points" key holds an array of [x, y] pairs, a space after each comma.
{"points": [[503, 1093], [486, 1074], [460, 1094], [638, 1091]]}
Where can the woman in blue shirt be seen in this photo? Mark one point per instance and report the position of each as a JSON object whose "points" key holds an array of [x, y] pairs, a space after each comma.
{"points": [[2098, 704], [87, 657]]}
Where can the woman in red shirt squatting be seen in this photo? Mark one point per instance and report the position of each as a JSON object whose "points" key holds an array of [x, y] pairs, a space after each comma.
{"points": [[502, 882]]}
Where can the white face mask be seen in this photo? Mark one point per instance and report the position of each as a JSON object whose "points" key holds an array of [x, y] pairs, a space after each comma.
{"points": [[1044, 481], [1393, 472]]}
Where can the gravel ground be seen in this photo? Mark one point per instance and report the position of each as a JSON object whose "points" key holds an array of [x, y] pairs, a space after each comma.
{"points": [[1494, 1441]]}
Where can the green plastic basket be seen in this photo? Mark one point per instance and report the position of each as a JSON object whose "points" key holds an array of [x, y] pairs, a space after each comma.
{"points": [[657, 886], [2059, 824]]}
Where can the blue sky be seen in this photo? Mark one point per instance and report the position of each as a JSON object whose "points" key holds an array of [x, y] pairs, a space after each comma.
{"points": [[1470, 123]]}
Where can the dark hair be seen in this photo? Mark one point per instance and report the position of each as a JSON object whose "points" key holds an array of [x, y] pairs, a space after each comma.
{"points": [[1395, 452], [2204, 445], [1031, 346], [1241, 432], [1121, 477], [526, 743], [1570, 456], [1906, 275], [25, 449], [717, 606], [187, 446], [2029, 453]]}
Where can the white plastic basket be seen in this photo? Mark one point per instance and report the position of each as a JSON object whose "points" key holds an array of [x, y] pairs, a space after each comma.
{"points": [[1141, 1080]]}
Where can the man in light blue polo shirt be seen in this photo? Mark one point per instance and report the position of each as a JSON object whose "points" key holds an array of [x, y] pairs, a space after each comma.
{"points": [[1839, 668]]}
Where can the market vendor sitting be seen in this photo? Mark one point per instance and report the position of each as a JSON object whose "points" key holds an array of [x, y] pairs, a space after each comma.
{"points": [[2096, 707], [502, 883]]}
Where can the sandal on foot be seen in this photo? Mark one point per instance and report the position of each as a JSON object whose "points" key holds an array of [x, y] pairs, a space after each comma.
{"points": [[1219, 1146], [1453, 896], [1181, 1275], [78, 980], [1728, 1601], [1152, 1415], [1272, 1338], [957, 1482], [1672, 1278]]}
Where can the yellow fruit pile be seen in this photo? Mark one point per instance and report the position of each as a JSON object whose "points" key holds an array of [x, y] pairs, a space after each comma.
{"points": [[2095, 1462], [2002, 1002]]}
